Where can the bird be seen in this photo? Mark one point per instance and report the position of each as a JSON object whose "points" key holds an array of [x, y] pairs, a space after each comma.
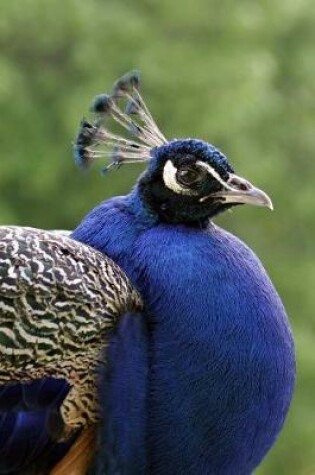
{"points": [[199, 376]]}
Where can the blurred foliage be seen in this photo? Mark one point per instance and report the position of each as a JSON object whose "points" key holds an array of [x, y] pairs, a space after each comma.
{"points": [[238, 74]]}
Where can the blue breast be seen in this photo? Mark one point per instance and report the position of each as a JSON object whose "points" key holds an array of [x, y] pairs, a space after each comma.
{"points": [[222, 358]]}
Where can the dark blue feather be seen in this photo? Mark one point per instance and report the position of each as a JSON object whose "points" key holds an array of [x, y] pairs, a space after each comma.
{"points": [[201, 382], [222, 364], [25, 444], [123, 392], [102, 104]]}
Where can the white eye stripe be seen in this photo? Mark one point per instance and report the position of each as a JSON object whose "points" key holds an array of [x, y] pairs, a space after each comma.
{"points": [[214, 173], [170, 180]]}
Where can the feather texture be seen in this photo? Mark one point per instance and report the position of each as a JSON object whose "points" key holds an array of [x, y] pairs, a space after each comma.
{"points": [[198, 379], [77, 461], [59, 302], [222, 365]]}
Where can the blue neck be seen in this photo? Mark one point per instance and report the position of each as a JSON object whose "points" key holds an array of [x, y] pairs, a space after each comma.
{"points": [[149, 216], [221, 352], [142, 213]]}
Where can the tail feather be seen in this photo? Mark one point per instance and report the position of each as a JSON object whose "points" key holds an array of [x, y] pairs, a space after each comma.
{"points": [[78, 459]]}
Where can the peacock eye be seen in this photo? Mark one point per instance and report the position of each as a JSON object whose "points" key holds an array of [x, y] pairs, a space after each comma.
{"points": [[188, 176]]}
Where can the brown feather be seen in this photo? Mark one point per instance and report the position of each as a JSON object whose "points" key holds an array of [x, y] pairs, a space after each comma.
{"points": [[79, 457]]}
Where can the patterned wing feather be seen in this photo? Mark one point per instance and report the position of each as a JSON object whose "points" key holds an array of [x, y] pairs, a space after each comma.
{"points": [[59, 301]]}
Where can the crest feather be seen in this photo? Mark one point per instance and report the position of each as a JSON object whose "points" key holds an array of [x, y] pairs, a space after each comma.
{"points": [[126, 107]]}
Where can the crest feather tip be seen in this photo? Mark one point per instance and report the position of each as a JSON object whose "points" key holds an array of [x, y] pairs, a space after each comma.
{"points": [[102, 104], [126, 83]]}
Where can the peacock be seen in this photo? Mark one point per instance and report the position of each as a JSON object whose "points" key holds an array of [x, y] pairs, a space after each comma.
{"points": [[149, 340]]}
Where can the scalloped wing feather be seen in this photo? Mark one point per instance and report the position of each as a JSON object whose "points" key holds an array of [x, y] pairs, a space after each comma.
{"points": [[59, 302]]}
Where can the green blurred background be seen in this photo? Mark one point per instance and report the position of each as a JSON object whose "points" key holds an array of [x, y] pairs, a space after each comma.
{"points": [[238, 74]]}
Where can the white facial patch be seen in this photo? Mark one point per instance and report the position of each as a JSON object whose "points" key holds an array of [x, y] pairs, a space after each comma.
{"points": [[170, 181], [215, 174]]}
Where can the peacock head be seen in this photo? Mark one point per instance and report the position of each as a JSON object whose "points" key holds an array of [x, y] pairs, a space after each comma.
{"points": [[186, 181]]}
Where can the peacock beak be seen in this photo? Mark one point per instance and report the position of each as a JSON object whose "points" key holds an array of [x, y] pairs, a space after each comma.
{"points": [[241, 191]]}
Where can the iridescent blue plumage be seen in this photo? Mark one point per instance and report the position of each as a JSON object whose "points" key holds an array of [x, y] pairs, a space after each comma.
{"points": [[221, 368], [25, 444], [200, 381]]}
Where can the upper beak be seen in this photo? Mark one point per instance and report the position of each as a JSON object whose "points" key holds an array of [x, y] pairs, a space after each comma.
{"points": [[241, 191]]}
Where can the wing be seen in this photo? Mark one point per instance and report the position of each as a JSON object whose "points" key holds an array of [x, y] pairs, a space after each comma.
{"points": [[59, 303]]}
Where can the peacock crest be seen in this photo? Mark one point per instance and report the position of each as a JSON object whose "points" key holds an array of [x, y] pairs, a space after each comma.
{"points": [[125, 107]]}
